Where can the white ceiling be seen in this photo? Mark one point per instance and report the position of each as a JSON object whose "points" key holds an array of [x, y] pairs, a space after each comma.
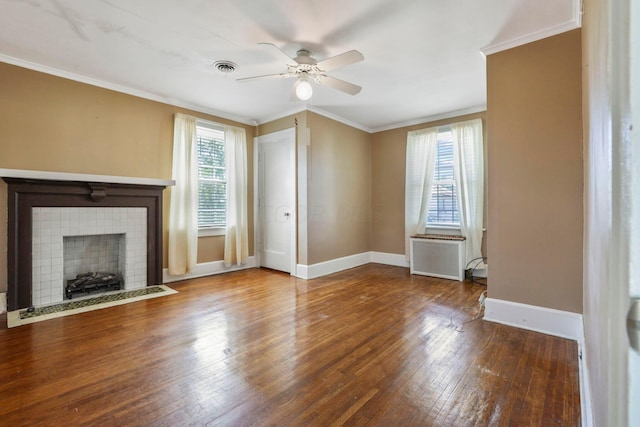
{"points": [[423, 58]]}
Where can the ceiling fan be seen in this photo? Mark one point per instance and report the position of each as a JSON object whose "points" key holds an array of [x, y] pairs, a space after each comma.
{"points": [[307, 68]]}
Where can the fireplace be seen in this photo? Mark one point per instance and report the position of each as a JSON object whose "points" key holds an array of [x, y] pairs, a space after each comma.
{"points": [[72, 241], [92, 263], [93, 253], [42, 212]]}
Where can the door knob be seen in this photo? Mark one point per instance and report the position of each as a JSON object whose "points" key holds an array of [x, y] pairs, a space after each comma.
{"points": [[287, 214], [633, 324]]}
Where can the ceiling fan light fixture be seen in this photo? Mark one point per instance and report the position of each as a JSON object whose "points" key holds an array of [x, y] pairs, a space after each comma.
{"points": [[303, 89], [307, 68]]}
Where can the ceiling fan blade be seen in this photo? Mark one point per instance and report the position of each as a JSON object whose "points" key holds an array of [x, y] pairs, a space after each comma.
{"points": [[340, 60], [282, 52], [334, 83], [267, 76]]}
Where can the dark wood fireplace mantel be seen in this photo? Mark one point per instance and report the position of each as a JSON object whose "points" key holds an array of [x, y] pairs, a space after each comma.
{"points": [[25, 193]]}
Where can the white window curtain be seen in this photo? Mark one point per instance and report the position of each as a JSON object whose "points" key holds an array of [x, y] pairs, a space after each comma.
{"points": [[236, 242], [183, 211], [420, 165], [468, 170]]}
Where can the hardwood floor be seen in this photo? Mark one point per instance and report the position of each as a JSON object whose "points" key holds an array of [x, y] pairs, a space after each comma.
{"points": [[368, 346]]}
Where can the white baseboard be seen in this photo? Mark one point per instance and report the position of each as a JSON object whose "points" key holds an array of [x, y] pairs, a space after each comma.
{"points": [[398, 260], [3, 302], [207, 269], [585, 384], [333, 266], [339, 264], [559, 323], [302, 271]]}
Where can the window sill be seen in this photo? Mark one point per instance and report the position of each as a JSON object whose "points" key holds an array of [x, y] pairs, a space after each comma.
{"points": [[443, 229], [211, 231]]}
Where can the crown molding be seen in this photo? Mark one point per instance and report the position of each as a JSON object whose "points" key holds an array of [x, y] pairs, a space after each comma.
{"points": [[278, 116], [315, 110], [575, 22], [529, 38], [428, 119], [337, 118], [121, 89]]}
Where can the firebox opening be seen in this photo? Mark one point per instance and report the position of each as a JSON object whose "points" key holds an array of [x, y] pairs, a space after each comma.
{"points": [[93, 263]]}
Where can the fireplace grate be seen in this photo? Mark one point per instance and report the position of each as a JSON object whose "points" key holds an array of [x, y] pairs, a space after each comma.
{"points": [[87, 283]]}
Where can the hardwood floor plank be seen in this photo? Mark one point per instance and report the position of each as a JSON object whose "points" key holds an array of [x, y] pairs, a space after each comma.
{"points": [[368, 346]]}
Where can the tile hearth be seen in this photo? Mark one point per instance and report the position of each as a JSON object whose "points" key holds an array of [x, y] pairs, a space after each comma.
{"points": [[24, 317]]}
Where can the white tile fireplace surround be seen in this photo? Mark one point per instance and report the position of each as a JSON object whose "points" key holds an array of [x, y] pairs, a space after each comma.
{"points": [[51, 225]]}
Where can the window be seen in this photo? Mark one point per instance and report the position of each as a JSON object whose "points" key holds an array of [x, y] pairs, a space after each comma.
{"points": [[212, 198], [443, 206]]}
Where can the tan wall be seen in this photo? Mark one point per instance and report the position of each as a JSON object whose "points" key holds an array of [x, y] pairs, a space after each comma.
{"points": [[388, 159], [535, 173], [339, 190], [53, 124]]}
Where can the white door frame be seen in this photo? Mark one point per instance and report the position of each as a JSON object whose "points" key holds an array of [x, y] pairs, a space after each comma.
{"points": [[625, 97], [629, 117], [634, 283], [290, 134]]}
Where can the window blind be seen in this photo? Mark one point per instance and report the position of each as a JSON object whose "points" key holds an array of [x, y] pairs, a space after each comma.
{"points": [[212, 199], [443, 206]]}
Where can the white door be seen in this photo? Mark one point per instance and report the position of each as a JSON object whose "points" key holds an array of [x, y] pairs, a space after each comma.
{"points": [[277, 200]]}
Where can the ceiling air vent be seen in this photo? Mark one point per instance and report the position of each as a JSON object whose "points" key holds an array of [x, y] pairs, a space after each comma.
{"points": [[225, 67]]}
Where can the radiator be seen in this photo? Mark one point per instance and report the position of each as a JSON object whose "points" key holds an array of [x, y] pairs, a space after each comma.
{"points": [[437, 258]]}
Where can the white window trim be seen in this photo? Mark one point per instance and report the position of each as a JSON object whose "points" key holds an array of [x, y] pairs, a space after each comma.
{"points": [[210, 125], [211, 231], [444, 227]]}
